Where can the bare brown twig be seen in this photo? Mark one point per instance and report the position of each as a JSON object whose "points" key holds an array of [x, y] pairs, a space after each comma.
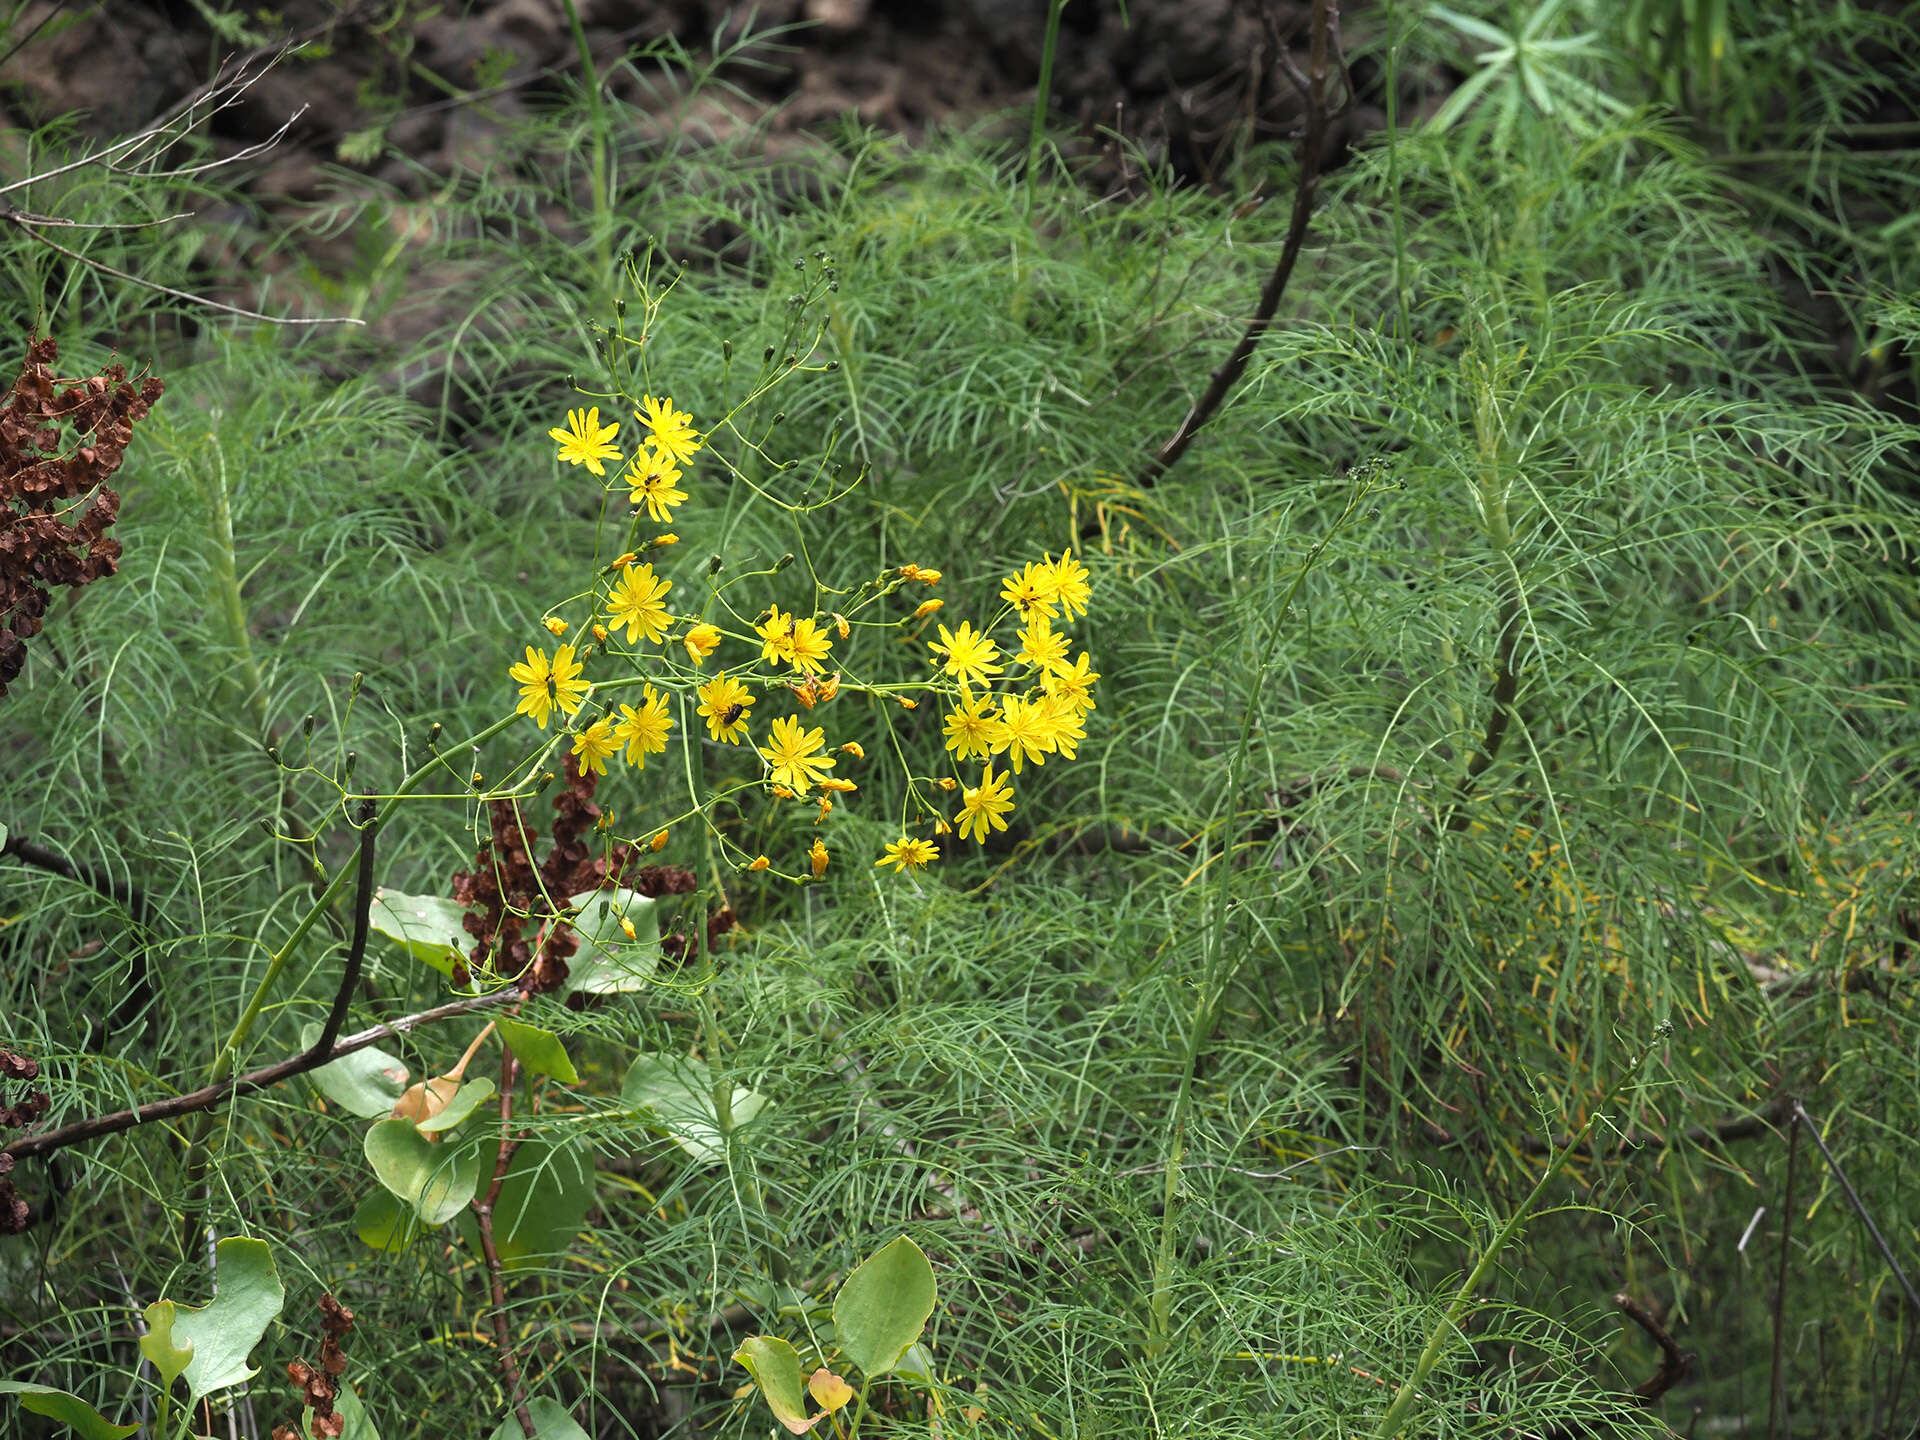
{"points": [[490, 1249]]}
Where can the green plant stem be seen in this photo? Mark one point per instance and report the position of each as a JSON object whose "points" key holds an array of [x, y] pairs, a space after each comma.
{"points": [[1042, 94], [1444, 1333], [598, 180], [859, 1408]]}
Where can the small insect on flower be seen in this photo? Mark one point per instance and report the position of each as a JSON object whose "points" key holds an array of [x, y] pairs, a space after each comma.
{"points": [[907, 854], [651, 482], [669, 431], [727, 706], [817, 857], [545, 686], [585, 440]]}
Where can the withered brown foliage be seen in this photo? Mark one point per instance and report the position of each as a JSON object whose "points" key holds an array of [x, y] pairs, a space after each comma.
{"points": [[15, 1213], [319, 1384], [60, 441], [505, 896]]}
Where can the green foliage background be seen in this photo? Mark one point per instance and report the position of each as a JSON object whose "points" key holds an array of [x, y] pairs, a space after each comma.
{"points": [[1204, 1088]]}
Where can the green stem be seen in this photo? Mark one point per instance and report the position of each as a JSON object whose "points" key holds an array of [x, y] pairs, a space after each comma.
{"points": [[232, 605], [1447, 1330], [859, 1408], [1042, 95], [598, 180]]}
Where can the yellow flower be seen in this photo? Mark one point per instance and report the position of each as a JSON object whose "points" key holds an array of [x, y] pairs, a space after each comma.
{"points": [[852, 747], [1041, 646], [599, 631], [1068, 583], [644, 731], [776, 636], [984, 806], [701, 641], [669, 431], [826, 809], [808, 647], [726, 704], [907, 702], [1067, 725], [1026, 731], [1072, 682], [659, 842], [760, 862], [660, 542], [1031, 591], [584, 441], [973, 728], [544, 686], [926, 608], [907, 853], [635, 603], [947, 782], [840, 626], [594, 744], [650, 481], [839, 786], [914, 572], [627, 928], [970, 655], [818, 857], [555, 624], [829, 687], [792, 754]]}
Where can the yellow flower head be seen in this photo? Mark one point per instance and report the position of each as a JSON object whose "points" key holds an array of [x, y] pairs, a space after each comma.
{"points": [[915, 572], [1067, 583], [985, 806], [973, 729], [970, 656], [701, 641], [544, 686], [809, 645], [555, 625], [792, 754], [594, 744], [669, 431], [817, 856], [829, 687], [853, 748], [1072, 682], [838, 786], [650, 481], [1041, 646], [644, 731], [1031, 591], [659, 842], [760, 862], [1027, 731], [585, 440], [907, 853], [1067, 724], [726, 704], [926, 608], [635, 603], [776, 636]]}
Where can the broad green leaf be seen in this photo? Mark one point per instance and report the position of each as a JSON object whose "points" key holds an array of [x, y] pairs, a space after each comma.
{"points": [[883, 1306], [67, 1409], [539, 1051], [607, 962], [436, 1180], [224, 1331], [364, 1084], [159, 1347], [383, 1223], [428, 927], [550, 1422], [544, 1199], [775, 1368], [678, 1093], [356, 1424], [468, 1098]]}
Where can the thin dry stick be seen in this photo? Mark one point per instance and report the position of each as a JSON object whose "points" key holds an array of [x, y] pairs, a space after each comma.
{"points": [[1673, 1360], [496, 1274], [1777, 1389], [1859, 1206], [1313, 88]]}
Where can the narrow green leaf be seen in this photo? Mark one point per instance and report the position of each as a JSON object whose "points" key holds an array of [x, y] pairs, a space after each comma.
{"points": [[539, 1051], [67, 1409], [775, 1367], [883, 1306], [158, 1345], [223, 1332]]}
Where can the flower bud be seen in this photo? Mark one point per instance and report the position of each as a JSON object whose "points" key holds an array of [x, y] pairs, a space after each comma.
{"points": [[760, 862], [659, 842]]}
